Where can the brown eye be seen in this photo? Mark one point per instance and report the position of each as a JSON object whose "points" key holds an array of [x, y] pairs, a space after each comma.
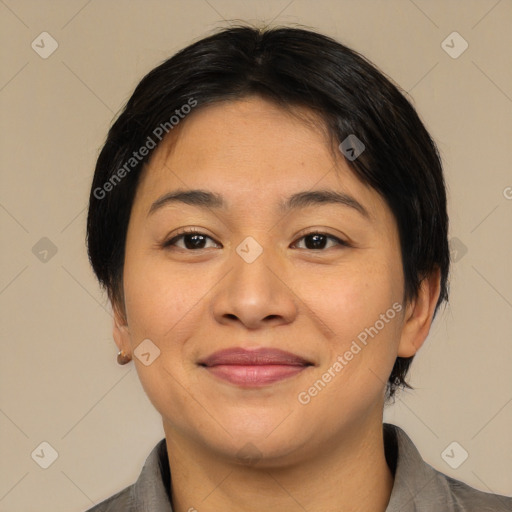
{"points": [[193, 240], [317, 241]]}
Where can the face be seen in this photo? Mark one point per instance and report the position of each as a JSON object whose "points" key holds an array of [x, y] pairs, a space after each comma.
{"points": [[320, 279]]}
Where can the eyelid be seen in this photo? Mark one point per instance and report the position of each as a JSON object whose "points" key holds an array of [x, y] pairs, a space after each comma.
{"points": [[322, 231], [184, 231], [340, 242], [170, 242]]}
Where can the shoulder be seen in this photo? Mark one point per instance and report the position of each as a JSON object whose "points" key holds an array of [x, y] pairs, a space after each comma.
{"points": [[152, 487], [464, 498], [419, 486], [119, 502]]}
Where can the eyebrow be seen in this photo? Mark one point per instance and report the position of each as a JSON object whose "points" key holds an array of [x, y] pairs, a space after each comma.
{"points": [[207, 199]]}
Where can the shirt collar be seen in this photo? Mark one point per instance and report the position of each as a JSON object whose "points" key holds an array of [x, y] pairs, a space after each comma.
{"points": [[151, 491], [414, 480]]}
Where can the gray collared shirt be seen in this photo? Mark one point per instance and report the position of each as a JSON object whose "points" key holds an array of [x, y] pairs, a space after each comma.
{"points": [[418, 487]]}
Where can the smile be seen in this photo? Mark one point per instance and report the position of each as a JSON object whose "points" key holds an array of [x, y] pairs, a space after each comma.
{"points": [[255, 375], [255, 367]]}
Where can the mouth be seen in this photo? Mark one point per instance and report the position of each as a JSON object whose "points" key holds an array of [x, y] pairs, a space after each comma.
{"points": [[256, 367]]}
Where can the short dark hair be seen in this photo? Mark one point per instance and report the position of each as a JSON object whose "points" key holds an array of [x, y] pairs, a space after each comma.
{"points": [[293, 67]]}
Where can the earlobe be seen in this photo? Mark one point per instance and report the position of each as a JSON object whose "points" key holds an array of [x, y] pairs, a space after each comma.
{"points": [[419, 315], [120, 330]]}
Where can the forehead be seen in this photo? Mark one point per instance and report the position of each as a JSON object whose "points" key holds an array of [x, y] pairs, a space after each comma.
{"points": [[251, 151], [232, 132]]}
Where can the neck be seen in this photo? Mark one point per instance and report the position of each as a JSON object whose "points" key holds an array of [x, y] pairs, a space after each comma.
{"points": [[349, 475]]}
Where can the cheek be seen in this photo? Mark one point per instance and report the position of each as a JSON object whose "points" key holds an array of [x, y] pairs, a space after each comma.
{"points": [[352, 299], [360, 351], [160, 296], [361, 325], [161, 306]]}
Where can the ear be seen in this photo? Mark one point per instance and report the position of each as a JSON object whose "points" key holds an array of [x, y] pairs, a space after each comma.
{"points": [[120, 331], [419, 315]]}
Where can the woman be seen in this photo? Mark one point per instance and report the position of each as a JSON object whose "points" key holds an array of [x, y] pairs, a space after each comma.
{"points": [[268, 217]]}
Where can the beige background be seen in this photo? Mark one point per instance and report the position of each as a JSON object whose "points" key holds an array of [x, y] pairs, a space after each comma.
{"points": [[59, 380]]}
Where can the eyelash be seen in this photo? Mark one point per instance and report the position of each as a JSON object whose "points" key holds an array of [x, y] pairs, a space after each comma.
{"points": [[191, 231]]}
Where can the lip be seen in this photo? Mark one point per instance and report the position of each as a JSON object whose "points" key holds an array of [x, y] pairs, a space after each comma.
{"points": [[253, 357], [255, 367]]}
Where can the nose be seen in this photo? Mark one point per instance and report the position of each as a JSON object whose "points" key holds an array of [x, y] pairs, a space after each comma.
{"points": [[256, 294]]}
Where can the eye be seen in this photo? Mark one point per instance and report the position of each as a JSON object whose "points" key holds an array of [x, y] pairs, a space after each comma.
{"points": [[195, 240], [318, 240], [192, 238]]}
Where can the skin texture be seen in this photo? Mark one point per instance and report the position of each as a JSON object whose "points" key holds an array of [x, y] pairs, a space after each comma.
{"points": [[328, 454]]}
